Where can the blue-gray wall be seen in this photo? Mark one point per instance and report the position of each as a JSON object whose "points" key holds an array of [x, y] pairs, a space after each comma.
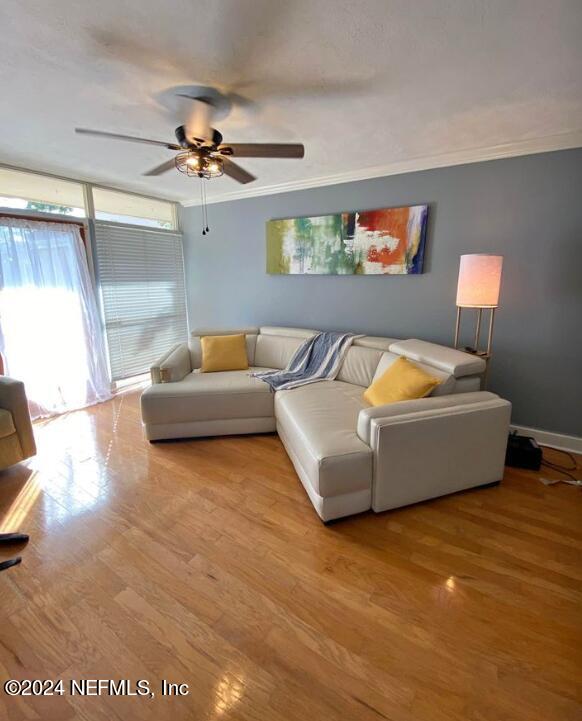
{"points": [[527, 209]]}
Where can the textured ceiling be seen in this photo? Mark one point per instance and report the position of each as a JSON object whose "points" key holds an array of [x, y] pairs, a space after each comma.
{"points": [[362, 83]]}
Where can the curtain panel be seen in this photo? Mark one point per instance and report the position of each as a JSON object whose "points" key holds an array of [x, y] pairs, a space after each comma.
{"points": [[50, 331]]}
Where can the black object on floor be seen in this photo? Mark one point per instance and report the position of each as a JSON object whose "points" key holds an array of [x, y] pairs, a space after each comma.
{"points": [[10, 538], [523, 452], [10, 562]]}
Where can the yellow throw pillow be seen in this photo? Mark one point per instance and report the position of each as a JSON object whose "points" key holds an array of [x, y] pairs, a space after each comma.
{"points": [[402, 381], [224, 353]]}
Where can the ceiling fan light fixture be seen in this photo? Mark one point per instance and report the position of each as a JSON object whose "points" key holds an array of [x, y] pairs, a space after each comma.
{"points": [[195, 164]]}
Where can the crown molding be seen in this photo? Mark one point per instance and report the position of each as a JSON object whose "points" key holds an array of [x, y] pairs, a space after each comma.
{"points": [[563, 141]]}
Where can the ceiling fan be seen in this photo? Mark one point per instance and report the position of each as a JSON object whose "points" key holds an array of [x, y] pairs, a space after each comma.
{"points": [[202, 151]]}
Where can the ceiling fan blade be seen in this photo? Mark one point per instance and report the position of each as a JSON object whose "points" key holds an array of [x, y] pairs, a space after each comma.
{"points": [[265, 150], [130, 138], [163, 168], [236, 172]]}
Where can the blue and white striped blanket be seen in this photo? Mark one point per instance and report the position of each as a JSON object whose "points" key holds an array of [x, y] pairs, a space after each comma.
{"points": [[319, 358]]}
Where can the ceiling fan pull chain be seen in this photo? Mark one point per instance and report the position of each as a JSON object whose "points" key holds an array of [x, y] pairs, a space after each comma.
{"points": [[206, 210], [202, 205]]}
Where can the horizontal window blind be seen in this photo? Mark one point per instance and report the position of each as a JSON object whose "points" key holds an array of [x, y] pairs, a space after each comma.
{"points": [[141, 279]]}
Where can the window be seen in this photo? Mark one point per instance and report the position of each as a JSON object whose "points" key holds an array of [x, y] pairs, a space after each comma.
{"points": [[28, 191], [138, 254], [24, 190], [118, 207], [45, 286], [141, 279]]}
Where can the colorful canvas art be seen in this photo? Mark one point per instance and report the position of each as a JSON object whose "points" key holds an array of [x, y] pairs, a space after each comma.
{"points": [[368, 242]]}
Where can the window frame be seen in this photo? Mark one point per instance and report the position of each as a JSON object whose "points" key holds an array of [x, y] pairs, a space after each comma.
{"points": [[87, 188], [87, 228]]}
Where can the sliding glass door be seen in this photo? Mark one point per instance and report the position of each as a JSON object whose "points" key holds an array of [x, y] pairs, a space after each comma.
{"points": [[50, 333]]}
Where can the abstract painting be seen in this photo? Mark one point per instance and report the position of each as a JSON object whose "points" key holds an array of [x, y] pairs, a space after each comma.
{"points": [[366, 242]]}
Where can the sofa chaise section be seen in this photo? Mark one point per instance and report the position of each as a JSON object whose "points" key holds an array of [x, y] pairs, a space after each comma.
{"points": [[182, 402], [208, 404], [317, 425]]}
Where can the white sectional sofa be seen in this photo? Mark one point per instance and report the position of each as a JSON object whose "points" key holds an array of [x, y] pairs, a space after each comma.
{"points": [[349, 456]]}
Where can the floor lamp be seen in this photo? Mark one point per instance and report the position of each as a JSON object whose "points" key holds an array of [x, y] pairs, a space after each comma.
{"points": [[478, 288]]}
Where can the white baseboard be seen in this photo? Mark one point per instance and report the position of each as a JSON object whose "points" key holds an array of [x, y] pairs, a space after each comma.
{"points": [[554, 440]]}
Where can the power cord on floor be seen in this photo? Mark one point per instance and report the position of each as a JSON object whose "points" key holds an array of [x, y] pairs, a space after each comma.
{"points": [[571, 480]]}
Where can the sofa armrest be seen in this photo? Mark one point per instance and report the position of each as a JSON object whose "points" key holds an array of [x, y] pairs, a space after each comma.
{"points": [[440, 449], [402, 408], [173, 366], [13, 399]]}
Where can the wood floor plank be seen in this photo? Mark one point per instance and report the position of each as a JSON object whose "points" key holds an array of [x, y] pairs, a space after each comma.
{"points": [[202, 562]]}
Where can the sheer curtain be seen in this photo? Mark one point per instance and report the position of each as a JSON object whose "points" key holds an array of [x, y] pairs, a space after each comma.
{"points": [[50, 334]]}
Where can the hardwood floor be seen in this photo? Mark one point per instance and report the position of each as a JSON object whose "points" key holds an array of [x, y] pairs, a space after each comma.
{"points": [[203, 562]]}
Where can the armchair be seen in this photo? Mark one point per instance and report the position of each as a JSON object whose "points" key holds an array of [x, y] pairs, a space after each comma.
{"points": [[16, 436]]}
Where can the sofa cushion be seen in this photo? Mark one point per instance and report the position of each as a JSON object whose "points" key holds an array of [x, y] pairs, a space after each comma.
{"points": [[359, 366], [6, 423], [402, 381], [318, 422], [224, 353], [196, 348], [208, 396], [275, 351], [447, 382]]}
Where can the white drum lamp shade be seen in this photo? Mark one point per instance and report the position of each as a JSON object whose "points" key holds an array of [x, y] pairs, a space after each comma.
{"points": [[479, 281]]}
